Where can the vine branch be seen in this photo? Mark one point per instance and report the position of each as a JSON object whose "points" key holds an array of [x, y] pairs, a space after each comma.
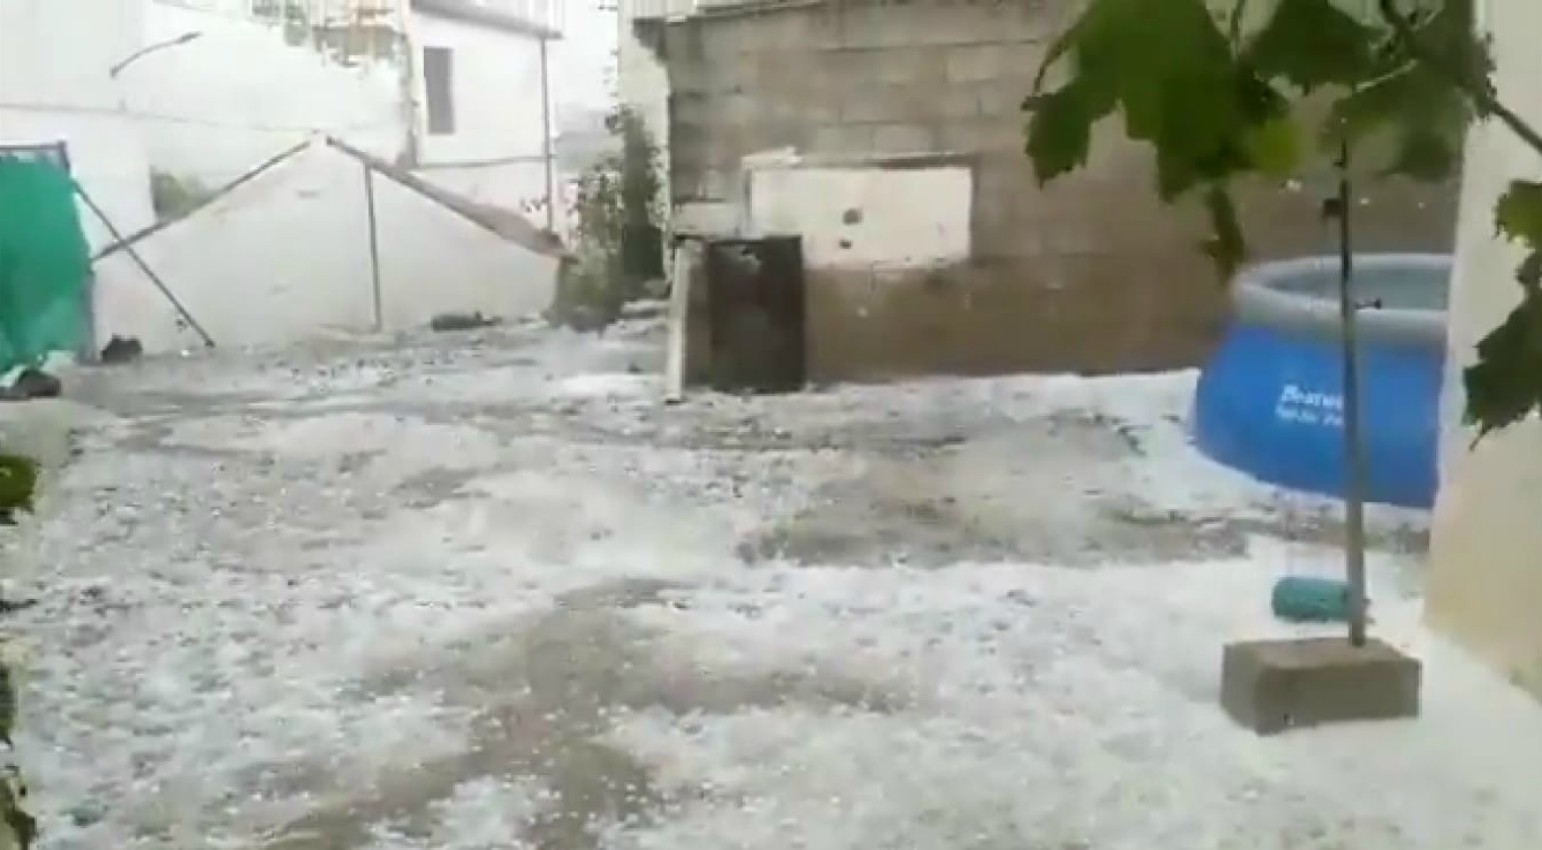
{"points": [[1481, 92]]}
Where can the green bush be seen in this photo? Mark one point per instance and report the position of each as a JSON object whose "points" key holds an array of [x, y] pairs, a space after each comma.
{"points": [[618, 192]]}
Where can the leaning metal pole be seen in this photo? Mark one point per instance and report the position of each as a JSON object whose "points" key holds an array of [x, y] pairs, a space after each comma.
{"points": [[1354, 449], [139, 260]]}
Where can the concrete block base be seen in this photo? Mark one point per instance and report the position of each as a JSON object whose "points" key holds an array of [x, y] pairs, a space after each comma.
{"points": [[1276, 685]]}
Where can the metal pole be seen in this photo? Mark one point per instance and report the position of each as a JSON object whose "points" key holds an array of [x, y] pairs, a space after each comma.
{"points": [[141, 53], [546, 146], [374, 247], [139, 261], [1354, 450]]}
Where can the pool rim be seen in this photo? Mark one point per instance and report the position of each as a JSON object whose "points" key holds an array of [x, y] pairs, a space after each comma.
{"points": [[1257, 302]]}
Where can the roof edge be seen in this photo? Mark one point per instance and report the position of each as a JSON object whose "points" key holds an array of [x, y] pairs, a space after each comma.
{"points": [[471, 13]]}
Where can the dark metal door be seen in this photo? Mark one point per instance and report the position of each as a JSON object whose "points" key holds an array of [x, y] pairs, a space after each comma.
{"points": [[755, 305]]}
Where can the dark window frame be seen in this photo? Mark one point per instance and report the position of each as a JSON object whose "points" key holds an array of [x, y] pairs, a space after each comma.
{"points": [[439, 90]]}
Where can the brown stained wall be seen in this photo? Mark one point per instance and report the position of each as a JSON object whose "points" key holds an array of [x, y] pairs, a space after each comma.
{"points": [[1089, 274]]}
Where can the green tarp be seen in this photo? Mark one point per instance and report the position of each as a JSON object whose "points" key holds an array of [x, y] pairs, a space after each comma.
{"points": [[45, 264]]}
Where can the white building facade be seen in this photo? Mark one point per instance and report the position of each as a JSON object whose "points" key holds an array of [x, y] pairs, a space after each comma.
{"points": [[197, 93], [55, 86], [454, 87], [483, 81]]}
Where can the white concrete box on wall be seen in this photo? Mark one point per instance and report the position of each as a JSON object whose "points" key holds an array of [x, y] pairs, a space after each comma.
{"points": [[881, 214]]}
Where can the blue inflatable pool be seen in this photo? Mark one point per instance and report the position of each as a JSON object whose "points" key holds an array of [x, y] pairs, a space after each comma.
{"points": [[1270, 400]]}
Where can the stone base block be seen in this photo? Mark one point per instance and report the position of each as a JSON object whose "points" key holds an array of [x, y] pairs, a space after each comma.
{"points": [[1276, 685]]}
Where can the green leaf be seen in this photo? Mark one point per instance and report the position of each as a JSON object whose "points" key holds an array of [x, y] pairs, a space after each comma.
{"points": [[1447, 34], [1518, 213], [1060, 131], [1424, 116], [1415, 103], [1505, 385], [1530, 271], [1183, 92], [1274, 147], [1313, 43]]}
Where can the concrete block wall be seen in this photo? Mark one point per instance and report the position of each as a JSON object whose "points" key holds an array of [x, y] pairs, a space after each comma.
{"points": [[1090, 274]]}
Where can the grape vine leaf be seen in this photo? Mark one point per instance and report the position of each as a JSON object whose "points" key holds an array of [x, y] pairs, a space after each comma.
{"points": [[1502, 387], [1505, 385], [1208, 116], [1410, 98], [1274, 147], [1313, 43], [1064, 119], [1518, 213], [1178, 92]]}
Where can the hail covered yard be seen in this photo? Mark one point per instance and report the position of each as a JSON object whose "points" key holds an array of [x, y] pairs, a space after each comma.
{"points": [[485, 591]]}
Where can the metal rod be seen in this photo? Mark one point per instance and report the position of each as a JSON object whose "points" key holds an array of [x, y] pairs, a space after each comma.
{"points": [[516, 229], [208, 341], [374, 246], [1354, 449], [546, 146], [249, 176], [141, 53]]}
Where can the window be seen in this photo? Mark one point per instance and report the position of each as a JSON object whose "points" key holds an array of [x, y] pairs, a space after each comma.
{"points": [[439, 81]]}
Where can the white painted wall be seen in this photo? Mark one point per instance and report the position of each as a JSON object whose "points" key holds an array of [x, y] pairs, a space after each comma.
{"points": [[584, 59], [497, 92], [54, 85], [866, 216], [1486, 550], [238, 94], [287, 256]]}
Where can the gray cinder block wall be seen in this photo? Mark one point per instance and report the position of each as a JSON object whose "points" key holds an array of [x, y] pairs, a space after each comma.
{"points": [[1091, 274]]}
